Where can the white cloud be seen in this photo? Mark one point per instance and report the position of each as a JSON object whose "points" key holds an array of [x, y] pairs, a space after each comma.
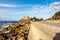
{"points": [[7, 5], [55, 3], [40, 11], [46, 11], [2, 10]]}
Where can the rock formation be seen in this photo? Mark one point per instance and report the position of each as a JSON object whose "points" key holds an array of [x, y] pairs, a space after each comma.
{"points": [[55, 17], [17, 31]]}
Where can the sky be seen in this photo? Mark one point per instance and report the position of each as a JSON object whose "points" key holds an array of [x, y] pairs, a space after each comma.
{"points": [[17, 9]]}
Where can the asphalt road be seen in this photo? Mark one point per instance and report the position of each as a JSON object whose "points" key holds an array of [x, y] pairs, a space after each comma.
{"points": [[43, 31]]}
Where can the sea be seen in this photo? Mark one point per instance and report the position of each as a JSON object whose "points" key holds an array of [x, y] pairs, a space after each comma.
{"points": [[4, 24]]}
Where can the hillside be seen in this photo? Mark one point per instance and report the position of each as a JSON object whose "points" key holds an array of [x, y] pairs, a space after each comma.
{"points": [[56, 16]]}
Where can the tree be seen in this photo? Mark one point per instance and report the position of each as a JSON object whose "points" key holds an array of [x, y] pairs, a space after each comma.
{"points": [[41, 19], [36, 19]]}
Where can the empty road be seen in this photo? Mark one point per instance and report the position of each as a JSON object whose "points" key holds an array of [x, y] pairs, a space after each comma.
{"points": [[43, 30]]}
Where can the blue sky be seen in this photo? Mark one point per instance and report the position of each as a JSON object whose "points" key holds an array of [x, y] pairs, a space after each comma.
{"points": [[16, 9]]}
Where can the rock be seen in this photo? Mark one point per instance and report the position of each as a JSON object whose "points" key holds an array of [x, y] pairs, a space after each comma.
{"points": [[2, 38], [17, 31], [20, 38]]}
